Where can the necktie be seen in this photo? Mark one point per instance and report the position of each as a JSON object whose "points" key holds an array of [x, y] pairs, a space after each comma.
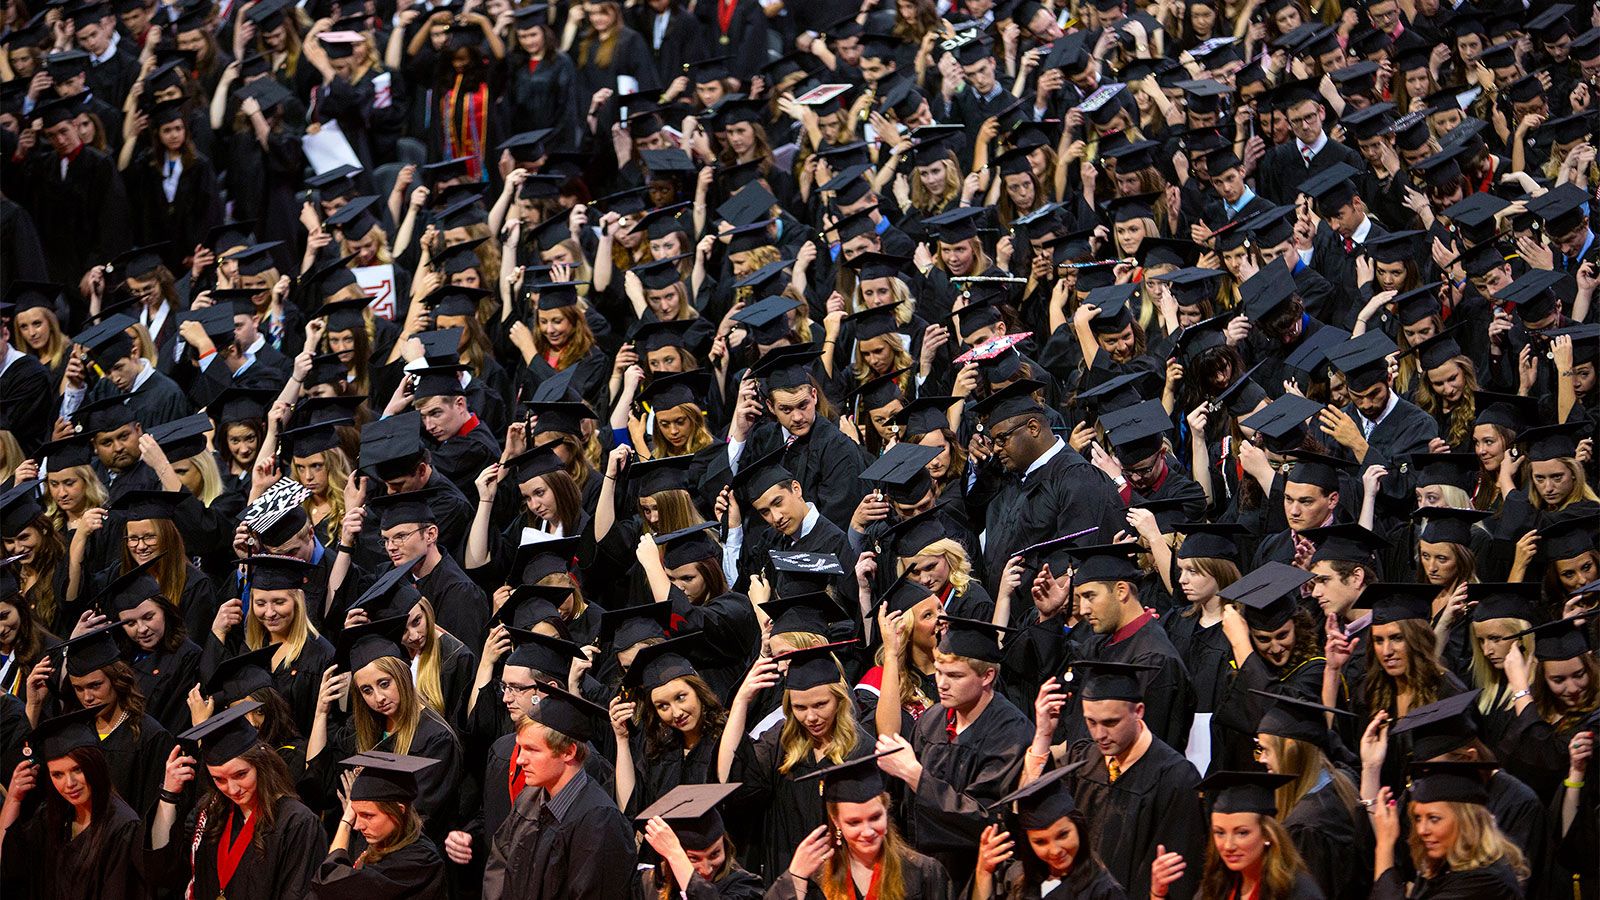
{"points": [[1305, 154], [1113, 770], [1349, 246]]}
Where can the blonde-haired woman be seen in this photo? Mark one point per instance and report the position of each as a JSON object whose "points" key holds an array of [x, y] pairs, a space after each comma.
{"points": [[36, 331], [1501, 619], [858, 851], [1251, 854], [1456, 848], [443, 664], [1445, 390], [151, 536], [818, 729], [276, 614], [1319, 805], [390, 717]]}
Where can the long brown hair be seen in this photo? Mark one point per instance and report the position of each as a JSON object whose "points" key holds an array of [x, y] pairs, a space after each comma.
{"points": [[596, 48], [1465, 410], [52, 552], [273, 784], [125, 683], [1550, 708], [576, 347], [171, 570], [659, 734], [408, 827], [1425, 678], [1280, 863], [568, 500], [370, 731], [1478, 843]]}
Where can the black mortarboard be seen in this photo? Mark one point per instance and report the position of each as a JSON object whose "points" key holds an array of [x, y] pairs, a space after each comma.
{"points": [[1370, 122], [1549, 442], [810, 613], [1105, 562], [1268, 595], [1139, 431], [559, 417], [392, 447], [1316, 469], [355, 218], [656, 664], [630, 625], [1446, 524], [1015, 399], [1298, 719], [1441, 727], [690, 810], [105, 414], [1364, 360], [361, 645], [767, 319], [237, 677], [1043, 801], [855, 781], [146, 504], [270, 572], [1533, 294], [1344, 542], [786, 368], [1569, 533], [756, 477], [19, 507], [409, 508], [226, 735], [901, 468], [1209, 540], [386, 777], [567, 714], [1331, 188], [1505, 600], [924, 415], [1282, 421], [1451, 782], [880, 391], [955, 225], [547, 654], [91, 651], [1563, 207], [1243, 792], [64, 454], [1106, 680], [1397, 601], [56, 737], [107, 341], [1265, 291]]}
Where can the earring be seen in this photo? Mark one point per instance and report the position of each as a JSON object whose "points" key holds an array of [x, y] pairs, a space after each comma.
{"points": [[838, 838], [1266, 843]]}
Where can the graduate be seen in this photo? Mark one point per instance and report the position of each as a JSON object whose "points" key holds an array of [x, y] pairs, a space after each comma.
{"points": [[83, 839], [396, 860], [697, 852], [1056, 857]]}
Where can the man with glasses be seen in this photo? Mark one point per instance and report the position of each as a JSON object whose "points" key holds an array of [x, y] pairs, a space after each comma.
{"points": [[1310, 152], [1030, 484], [409, 531]]}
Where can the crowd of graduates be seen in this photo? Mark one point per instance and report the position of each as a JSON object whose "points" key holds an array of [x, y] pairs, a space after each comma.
{"points": [[799, 449]]}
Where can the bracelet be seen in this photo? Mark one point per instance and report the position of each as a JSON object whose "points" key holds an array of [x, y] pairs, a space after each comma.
{"points": [[1520, 694], [344, 548], [1569, 783], [210, 352], [1566, 373], [1368, 804], [1044, 755], [172, 797], [348, 823]]}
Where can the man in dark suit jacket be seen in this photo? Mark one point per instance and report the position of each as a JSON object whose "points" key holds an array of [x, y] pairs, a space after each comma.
{"points": [[1310, 151], [113, 61]]}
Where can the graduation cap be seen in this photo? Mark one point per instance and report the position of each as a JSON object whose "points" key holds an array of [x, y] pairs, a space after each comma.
{"points": [[1140, 431], [813, 666], [630, 625], [567, 714], [183, 438], [61, 109], [336, 183], [267, 15], [1510, 411], [1243, 792], [1397, 601], [690, 810], [1533, 294], [1505, 600], [225, 736], [656, 664], [1267, 290], [393, 592], [1105, 562], [878, 392], [1569, 533], [956, 225], [19, 508], [1316, 469], [66, 453], [1298, 719], [786, 368], [105, 414], [1445, 524], [107, 341], [274, 572], [677, 389], [559, 417], [361, 645], [269, 94], [386, 777], [237, 677], [1451, 782], [1041, 802], [67, 65], [58, 736], [1105, 680], [810, 613], [1441, 727], [1283, 420], [756, 477], [1015, 399], [1209, 540], [462, 212], [1331, 189], [902, 469], [145, 504], [1267, 595], [1344, 542], [924, 415], [543, 653], [1364, 361], [409, 508], [91, 651], [1564, 207], [355, 218], [1549, 442], [855, 781], [1585, 47], [1370, 122]]}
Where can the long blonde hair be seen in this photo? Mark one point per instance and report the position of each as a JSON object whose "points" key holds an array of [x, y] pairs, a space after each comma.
{"points": [[1465, 411], [835, 875], [924, 200], [337, 467], [1485, 676], [370, 731], [1478, 843], [1308, 764], [94, 494], [55, 350], [955, 556], [600, 49], [1580, 486], [171, 570], [301, 631], [429, 685], [701, 439], [796, 744], [205, 462]]}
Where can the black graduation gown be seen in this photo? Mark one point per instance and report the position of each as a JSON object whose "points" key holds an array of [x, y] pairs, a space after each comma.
{"points": [[461, 606], [414, 872], [1063, 496], [588, 853], [1334, 844], [827, 464], [786, 811], [657, 773], [963, 775], [299, 679], [1038, 651], [546, 97], [1407, 429], [495, 786], [1085, 881], [195, 207], [104, 862], [437, 785], [1169, 698], [165, 679], [921, 878], [461, 458], [277, 865], [1152, 803], [1492, 882], [1206, 654], [83, 219], [138, 763], [27, 402]]}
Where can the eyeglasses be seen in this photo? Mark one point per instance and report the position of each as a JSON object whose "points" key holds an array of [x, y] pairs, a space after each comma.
{"points": [[1000, 437], [1145, 469], [395, 540], [506, 687], [145, 540], [1260, 751], [1309, 118]]}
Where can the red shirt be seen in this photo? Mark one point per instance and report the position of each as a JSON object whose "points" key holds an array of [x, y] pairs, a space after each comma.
{"points": [[1126, 631], [471, 423]]}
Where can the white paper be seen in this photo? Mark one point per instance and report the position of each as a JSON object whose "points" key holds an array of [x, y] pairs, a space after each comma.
{"points": [[382, 92], [535, 536], [627, 84], [328, 149], [378, 282], [1199, 749]]}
